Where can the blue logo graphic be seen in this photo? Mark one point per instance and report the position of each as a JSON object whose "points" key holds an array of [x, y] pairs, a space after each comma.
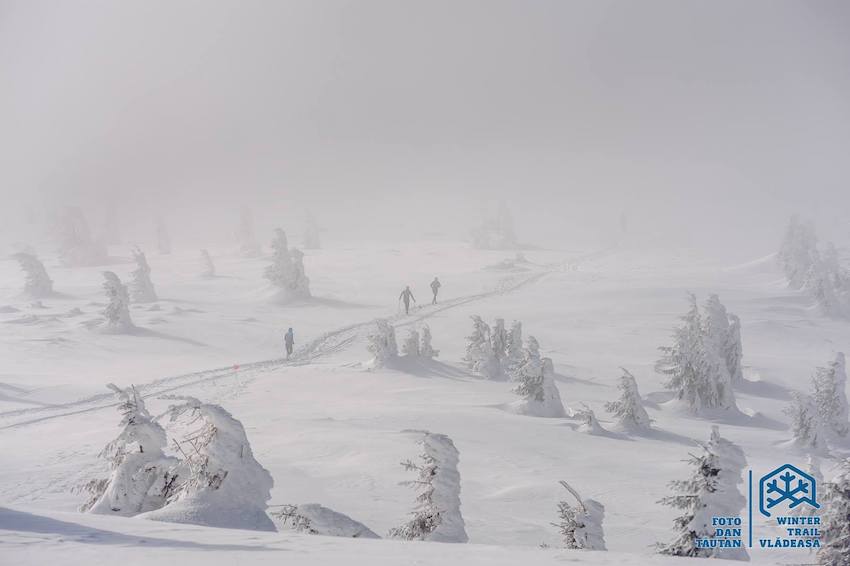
{"points": [[787, 483]]}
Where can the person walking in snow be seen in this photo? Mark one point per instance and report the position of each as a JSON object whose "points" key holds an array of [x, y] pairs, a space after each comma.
{"points": [[435, 287], [406, 296], [289, 340]]}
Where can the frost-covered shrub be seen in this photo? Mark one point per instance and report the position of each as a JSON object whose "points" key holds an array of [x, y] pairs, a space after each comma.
{"points": [[711, 491], [581, 525], [314, 519], [224, 485], [248, 246], [537, 389], [77, 248], [437, 514], [410, 346], [142, 477], [588, 421], [207, 265], [287, 270], [382, 344], [631, 416], [835, 518], [141, 286], [117, 311], [426, 350], [37, 284]]}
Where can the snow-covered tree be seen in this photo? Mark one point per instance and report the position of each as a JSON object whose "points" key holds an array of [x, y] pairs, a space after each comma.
{"points": [[248, 246], [830, 397], [37, 284], [314, 519], [163, 237], [695, 372], [117, 311], [631, 416], [437, 514], [480, 357], [141, 286], [734, 351], [496, 232], [820, 284], [806, 430], [287, 269], [410, 346], [588, 421], [835, 520], [711, 491], [77, 248], [796, 252], [311, 232], [207, 265], [426, 350], [224, 486], [718, 339], [581, 524], [537, 389], [499, 339], [382, 344], [141, 477], [514, 351]]}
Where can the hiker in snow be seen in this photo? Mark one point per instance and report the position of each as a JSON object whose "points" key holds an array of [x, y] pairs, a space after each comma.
{"points": [[435, 287], [405, 296], [289, 340]]}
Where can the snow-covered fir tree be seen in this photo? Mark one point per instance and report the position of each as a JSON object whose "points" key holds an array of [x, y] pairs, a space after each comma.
{"points": [[248, 246], [207, 265], [437, 515], [499, 340], [163, 237], [311, 233], [734, 351], [796, 254], [695, 372], [37, 284], [830, 398], [410, 345], [631, 416], [514, 352], [287, 269], [382, 344], [581, 524], [537, 389], [496, 231], [426, 350], [142, 477], [141, 286], [224, 485], [77, 248], [479, 357], [711, 491], [835, 519], [717, 336], [806, 429], [117, 311]]}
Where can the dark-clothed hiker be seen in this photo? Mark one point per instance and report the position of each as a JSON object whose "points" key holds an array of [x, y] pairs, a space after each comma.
{"points": [[289, 340], [406, 296]]}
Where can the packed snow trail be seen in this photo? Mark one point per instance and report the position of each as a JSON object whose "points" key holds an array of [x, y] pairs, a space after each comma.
{"points": [[324, 345]]}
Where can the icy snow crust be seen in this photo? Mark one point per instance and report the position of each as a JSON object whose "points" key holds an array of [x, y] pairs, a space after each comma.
{"points": [[328, 430]]}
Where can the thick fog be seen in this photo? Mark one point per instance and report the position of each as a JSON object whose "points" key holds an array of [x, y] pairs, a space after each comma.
{"points": [[699, 122]]}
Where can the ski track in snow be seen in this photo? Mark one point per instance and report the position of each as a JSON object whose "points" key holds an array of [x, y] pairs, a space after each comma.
{"points": [[324, 345]]}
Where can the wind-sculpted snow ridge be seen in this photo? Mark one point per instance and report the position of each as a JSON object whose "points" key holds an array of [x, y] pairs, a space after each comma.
{"points": [[324, 345]]}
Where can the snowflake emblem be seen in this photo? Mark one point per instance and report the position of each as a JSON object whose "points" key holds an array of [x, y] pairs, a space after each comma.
{"points": [[787, 484]]}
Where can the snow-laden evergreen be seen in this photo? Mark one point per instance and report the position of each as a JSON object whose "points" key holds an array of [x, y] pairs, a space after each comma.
{"points": [[141, 477], [248, 245], [806, 430], [695, 372], [835, 519], [382, 344], [426, 350], [719, 341], [286, 272], [311, 232], [163, 237], [588, 423], [37, 284], [796, 253], [496, 231], [830, 398], [480, 357], [437, 515], [734, 351], [77, 248], [410, 345], [711, 491], [536, 386], [581, 524], [141, 286], [117, 311], [628, 408], [515, 353], [224, 486], [314, 519], [207, 265]]}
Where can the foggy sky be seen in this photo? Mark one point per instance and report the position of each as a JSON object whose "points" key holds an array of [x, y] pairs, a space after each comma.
{"points": [[681, 113]]}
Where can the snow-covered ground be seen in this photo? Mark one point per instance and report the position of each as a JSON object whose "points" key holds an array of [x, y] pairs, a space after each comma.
{"points": [[330, 431]]}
